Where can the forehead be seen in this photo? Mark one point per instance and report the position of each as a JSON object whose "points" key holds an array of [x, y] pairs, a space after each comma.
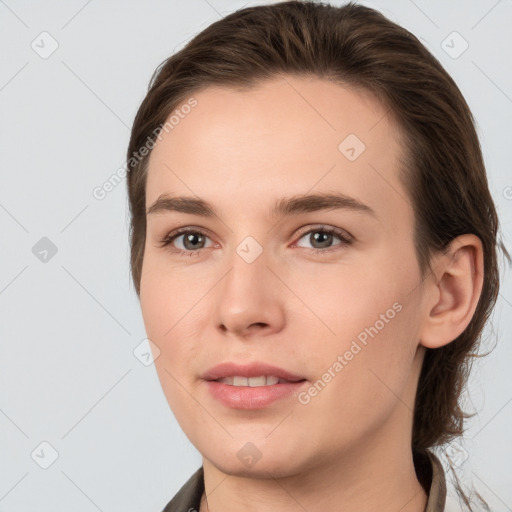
{"points": [[285, 136]]}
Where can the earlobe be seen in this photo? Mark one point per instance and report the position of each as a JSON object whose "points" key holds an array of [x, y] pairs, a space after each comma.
{"points": [[452, 292]]}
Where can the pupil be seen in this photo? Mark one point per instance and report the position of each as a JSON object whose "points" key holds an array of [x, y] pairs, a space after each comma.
{"points": [[322, 237], [190, 238]]}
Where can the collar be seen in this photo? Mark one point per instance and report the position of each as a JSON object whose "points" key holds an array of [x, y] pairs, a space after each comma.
{"points": [[431, 475]]}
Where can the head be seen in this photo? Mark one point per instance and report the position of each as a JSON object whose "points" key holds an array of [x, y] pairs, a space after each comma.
{"points": [[264, 105]]}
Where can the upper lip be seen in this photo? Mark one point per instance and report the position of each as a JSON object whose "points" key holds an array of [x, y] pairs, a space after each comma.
{"points": [[255, 369]]}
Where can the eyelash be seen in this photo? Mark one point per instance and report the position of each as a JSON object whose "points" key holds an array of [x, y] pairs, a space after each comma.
{"points": [[343, 236]]}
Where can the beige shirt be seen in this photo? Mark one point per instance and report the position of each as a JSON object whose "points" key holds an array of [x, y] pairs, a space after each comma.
{"points": [[429, 470]]}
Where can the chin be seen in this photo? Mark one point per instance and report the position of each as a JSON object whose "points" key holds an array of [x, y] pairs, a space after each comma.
{"points": [[253, 460], [262, 469]]}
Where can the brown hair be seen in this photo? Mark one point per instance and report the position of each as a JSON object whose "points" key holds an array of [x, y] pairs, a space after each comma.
{"points": [[443, 168]]}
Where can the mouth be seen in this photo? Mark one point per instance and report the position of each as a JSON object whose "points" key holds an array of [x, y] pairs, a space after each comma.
{"points": [[251, 386], [253, 382], [252, 374]]}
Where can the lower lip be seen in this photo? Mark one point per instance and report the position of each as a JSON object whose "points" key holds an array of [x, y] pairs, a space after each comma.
{"points": [[245, 397]]}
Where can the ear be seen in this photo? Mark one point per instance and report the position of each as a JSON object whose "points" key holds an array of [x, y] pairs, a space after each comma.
{"points": [[451, 293]]}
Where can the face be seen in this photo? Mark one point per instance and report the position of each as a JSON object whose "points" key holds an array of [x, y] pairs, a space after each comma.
{"points": [[325, 289]]}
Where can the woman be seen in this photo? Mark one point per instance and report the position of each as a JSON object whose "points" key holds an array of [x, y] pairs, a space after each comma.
{"points": [[314, 246]]}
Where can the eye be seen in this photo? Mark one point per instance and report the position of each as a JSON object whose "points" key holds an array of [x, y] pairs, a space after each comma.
{"points": [[322, 237], [193, 240]]}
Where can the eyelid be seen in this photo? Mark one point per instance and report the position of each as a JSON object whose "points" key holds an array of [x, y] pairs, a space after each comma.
{"points": [[176, 233], [342, 233], [345, 237]]}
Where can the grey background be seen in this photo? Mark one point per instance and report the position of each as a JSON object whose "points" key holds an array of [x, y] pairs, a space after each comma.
{"points": [[69, 325]]}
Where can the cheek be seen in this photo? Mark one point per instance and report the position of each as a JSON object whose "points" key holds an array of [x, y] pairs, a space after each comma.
{"points": [[372, 319], [173, 308], [164, 306], [344, 301], [166, 296], [370, 340], [358, 383]]}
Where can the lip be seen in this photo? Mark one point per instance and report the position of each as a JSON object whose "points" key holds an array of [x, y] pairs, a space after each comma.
{"points": [[254, 369], [246, 397]]}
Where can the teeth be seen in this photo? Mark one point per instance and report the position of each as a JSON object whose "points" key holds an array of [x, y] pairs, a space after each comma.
{"points": [[251, 381], [240, 381]]}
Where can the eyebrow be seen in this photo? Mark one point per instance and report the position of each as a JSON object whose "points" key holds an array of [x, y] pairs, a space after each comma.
{"points": [[285, 206]]}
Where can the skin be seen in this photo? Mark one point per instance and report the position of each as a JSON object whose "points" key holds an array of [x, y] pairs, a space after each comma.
{"points": [[349, 447]]}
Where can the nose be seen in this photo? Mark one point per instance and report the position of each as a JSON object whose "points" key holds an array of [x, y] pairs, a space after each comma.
{"points": [[250, 299]]}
